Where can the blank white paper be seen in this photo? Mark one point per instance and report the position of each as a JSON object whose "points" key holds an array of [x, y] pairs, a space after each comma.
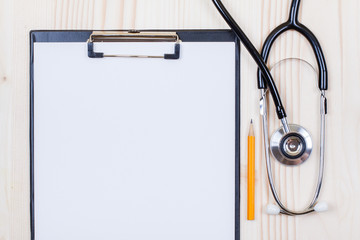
{"points": [[134, 149]]}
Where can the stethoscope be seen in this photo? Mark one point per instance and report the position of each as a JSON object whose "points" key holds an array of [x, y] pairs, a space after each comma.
{"points": [[291, 144]]}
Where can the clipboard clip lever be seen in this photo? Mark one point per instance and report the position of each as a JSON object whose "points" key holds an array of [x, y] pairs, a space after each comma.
{"points": [[133, 36]]}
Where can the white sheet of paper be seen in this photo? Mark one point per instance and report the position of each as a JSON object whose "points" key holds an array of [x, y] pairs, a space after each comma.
{"points": [[134, 149]]}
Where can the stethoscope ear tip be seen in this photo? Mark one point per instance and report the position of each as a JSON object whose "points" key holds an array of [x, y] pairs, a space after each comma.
{"points": [[321, 207], [272, 209]]}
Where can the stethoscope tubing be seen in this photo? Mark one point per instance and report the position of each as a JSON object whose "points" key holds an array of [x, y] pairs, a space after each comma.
{"points": [[294, 24], [255, 55]]}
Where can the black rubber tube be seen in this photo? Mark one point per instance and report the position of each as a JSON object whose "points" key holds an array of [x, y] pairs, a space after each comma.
{"points": [[294, 24], [280, 111]]}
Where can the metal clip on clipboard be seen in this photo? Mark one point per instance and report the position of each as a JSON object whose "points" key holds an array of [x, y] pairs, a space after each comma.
{"points": [[133, 36]]}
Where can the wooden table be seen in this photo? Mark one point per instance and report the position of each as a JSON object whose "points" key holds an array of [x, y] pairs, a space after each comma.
{"points": [[337, 26]]}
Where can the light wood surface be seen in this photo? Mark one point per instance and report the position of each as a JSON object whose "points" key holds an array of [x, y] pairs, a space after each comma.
{"points": [[336, 23]]}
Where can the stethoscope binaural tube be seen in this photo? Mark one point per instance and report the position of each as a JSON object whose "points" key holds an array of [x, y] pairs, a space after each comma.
{"points": [[314, 204]]}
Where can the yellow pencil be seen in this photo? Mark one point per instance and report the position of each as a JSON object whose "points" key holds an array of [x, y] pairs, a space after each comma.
{"points": [[251, 174]]}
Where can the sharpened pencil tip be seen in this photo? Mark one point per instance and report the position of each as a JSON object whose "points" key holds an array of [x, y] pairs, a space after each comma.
{"points": [[251, 128]]}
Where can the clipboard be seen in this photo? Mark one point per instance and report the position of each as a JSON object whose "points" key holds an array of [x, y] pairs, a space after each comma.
{"points": [[135, 135]]}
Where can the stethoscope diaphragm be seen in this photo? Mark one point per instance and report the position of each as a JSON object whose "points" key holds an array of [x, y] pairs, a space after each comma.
{"points": [[291, 148]]}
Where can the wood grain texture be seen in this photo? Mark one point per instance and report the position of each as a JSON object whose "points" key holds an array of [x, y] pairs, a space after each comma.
{"points": [[337, 26]]}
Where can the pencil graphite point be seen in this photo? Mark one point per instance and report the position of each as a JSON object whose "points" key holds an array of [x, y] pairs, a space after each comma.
{"points": [[251, 128]]}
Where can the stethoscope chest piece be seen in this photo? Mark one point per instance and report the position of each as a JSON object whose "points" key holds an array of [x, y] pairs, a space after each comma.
{"points": [[292, 148]]}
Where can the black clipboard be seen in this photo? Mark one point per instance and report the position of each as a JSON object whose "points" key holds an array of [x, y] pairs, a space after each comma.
{"points": [[41, 36]]}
